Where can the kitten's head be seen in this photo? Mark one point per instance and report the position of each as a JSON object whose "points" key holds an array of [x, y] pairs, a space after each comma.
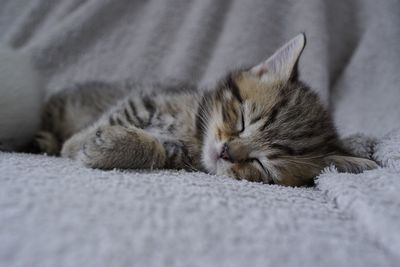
{"points": [[262, 124]]}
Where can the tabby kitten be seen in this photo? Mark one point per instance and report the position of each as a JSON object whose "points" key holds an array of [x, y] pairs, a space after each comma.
{"points": [[260, 124]]}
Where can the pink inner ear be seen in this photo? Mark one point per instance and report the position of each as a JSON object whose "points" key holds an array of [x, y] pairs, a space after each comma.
{"points": [[260, 70]]}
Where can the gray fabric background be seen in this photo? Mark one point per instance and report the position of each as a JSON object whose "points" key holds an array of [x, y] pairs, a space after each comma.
{"points": [[56, 213], [352, 56]]}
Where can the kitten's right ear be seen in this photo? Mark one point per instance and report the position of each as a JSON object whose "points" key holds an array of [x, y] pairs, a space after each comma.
{"points": [[350, 163], [281, 66]]}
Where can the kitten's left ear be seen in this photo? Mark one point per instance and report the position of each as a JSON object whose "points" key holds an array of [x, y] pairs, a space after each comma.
{"points": [[281, 66]]}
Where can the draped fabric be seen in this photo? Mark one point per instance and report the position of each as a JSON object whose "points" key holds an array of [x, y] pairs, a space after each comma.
{"points": [[352, 55], [54, 212]]}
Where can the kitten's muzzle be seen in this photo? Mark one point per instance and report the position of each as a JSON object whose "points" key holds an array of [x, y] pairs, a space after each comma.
{"points": [[225, 153], [234, 151]]}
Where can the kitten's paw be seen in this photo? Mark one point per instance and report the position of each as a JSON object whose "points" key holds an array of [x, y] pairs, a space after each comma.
{"points": [[46, 142], [73, 145], [112, 147], [102, 148], [94, 150]]}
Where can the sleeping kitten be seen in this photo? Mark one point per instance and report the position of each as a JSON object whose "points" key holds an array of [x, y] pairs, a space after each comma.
{"points": [[260, 124]]}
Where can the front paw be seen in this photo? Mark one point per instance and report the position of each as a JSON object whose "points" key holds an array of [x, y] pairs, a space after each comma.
{"points": [[72, 147], [112, 147], [100, 149]]}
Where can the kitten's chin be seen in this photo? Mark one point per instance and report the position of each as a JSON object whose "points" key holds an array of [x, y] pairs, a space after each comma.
{"points": [[223, 168], [219, 167]]}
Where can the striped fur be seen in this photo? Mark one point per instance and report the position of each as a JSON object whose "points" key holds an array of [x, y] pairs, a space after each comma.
{"points": [[259, 124]]}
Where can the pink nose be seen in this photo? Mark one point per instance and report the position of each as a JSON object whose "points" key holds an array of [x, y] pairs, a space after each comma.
{"points": [[225, 153]]}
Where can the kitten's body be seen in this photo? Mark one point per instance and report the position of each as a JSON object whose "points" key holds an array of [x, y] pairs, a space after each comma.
{"points": [[167, 113], [259, 124]]}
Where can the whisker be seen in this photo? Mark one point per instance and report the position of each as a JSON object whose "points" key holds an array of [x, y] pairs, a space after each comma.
{"points": [[191, 167], [306, 157], [303, 162]]}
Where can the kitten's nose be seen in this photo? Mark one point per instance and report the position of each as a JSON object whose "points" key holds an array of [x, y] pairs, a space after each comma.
{"points": [[225, 153]]}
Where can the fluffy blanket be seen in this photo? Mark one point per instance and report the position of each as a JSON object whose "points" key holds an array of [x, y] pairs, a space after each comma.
{"points": [[55, 213]]}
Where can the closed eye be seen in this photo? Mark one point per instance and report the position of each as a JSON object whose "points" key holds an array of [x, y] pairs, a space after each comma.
{"points": [[257, 161], [242, 130], [242, 121]]}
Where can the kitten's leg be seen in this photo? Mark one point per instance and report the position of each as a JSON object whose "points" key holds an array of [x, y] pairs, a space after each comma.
{"points": [[71, 110], [109, 147]]}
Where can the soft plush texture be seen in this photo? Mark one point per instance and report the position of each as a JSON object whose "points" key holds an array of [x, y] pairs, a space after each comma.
{"points": [[56, 213]]}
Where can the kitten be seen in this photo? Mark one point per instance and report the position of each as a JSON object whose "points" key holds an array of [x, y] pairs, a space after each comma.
{"points": [[260, 124]]}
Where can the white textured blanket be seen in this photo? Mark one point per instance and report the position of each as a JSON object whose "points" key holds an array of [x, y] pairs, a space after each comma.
{"points": [[55, 213]]}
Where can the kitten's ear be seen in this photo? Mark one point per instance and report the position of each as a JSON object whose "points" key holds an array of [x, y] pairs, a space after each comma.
{"points": [[350, 164], [282, 65]]}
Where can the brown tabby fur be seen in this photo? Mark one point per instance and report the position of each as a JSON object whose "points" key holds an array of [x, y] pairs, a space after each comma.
{"points": [[259, 124]]}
